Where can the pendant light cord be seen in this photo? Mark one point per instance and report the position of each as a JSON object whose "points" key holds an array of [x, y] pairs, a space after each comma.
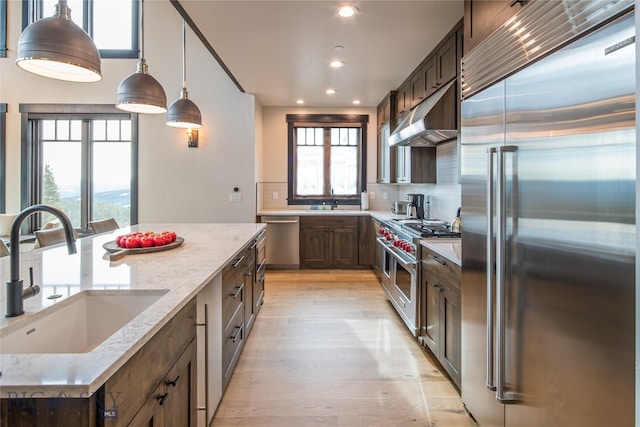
{"points": [[141, 30], [184, 55]]}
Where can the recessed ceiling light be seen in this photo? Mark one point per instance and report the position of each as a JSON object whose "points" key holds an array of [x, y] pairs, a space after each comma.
{"points": [[347, 11], [300, 101], [336, 64], [356, 102], [330, 91]]}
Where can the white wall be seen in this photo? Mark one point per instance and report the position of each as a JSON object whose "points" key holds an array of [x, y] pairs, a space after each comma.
{"points": [[445, 194], [176, 183]]}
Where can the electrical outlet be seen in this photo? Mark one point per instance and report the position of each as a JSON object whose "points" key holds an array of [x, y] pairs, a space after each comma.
{"points": [[385, 195], [235, 197], [372, 195], [275, 195]]}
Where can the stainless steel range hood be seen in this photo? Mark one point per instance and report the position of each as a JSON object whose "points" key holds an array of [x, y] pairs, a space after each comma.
{"points": [[430, 122]]}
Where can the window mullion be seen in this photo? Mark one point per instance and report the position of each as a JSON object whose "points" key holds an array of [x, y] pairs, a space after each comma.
{"points": [[327, 162], [85, 176]]}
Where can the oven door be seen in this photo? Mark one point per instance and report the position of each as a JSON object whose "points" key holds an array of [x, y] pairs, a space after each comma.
{"points": [[406, 288], [386, 264], [399, 277]]}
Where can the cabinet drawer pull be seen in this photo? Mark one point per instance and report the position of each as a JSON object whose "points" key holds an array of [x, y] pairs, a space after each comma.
{"points": [[234, 338], [238, 261], [437, 259], [161, 398], [238, 291], [174, 382], [253, 245]]}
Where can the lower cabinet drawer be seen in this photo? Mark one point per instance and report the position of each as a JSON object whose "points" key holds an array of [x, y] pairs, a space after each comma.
{"points": [[232, 299], [232, 342]]}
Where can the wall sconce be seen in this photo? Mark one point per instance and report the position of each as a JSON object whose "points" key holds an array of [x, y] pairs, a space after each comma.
{"points": [[192, 138]]}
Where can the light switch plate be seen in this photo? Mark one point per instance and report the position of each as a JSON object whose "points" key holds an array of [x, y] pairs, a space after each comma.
{"points": [[275, 195], [372, 195], [385, 195], [235, 197]]}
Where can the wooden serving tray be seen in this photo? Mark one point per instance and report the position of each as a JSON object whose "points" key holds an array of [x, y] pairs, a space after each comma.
{"points": [[117, 252]]}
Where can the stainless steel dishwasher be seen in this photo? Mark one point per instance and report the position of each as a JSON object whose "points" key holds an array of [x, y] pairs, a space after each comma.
{"points": [[283, 242]]}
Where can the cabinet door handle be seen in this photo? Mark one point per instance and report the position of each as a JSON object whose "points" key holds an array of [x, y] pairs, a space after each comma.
{"points": [[439, 288], [238, 291], [161, 398], [238, 261], [438, 260], [234, 338], [174, 382]]}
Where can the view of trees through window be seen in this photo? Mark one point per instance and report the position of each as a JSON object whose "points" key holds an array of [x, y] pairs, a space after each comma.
{"points": [[95, 188]]}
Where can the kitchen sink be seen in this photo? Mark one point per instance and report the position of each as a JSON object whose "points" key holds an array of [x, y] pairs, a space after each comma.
{"points": [[77, 324]]}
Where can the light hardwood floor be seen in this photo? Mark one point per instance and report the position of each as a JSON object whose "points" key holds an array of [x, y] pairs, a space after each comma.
{"points": [[327, 349]]}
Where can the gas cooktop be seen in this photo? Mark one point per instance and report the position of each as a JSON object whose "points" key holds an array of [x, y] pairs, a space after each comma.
{"points": [[426, 228]]}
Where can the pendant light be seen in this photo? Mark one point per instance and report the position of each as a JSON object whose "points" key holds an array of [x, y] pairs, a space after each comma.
{"points": [[140, 92], [184, 113], [57, 48]]}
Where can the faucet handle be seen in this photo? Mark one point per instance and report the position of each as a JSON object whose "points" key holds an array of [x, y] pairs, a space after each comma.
{"points": [[31, 290]]}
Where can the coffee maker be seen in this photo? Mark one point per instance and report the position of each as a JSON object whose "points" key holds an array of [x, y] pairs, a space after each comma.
{"points": [[416, 206]]}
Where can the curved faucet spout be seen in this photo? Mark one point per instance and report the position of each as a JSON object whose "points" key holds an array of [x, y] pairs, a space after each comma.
{"points": [[14, 285]]}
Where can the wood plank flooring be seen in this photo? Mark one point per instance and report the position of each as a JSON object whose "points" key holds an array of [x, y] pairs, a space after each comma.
{"points": [[327, 349]]}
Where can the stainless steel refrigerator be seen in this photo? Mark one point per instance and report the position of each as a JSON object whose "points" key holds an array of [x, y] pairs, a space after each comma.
{"points": [[548, 213]]}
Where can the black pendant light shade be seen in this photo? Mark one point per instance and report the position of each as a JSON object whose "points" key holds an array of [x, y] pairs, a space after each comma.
{"points": [[184, 113], [140, 92], [55, 47]]}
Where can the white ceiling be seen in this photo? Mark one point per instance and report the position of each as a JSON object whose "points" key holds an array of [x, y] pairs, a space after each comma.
{"points": [[280, 50]]}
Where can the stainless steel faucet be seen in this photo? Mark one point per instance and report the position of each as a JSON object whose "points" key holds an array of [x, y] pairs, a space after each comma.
{"points": [[15, 291], [333, 201]]}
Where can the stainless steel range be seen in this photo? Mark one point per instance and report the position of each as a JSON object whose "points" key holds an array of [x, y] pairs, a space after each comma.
{"points": [[400, 270]]}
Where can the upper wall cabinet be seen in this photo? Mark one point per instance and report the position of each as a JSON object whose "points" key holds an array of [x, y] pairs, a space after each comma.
{"points": [[483, 17], [439, 67]]}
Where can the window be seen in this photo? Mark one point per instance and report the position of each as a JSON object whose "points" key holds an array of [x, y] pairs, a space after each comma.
{"points": [[3, 153], [98, 18], [82, 163], [326, 158]]}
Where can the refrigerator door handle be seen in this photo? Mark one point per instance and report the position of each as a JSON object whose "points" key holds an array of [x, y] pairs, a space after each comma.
{"points": [[491, 247], [501, 272]]}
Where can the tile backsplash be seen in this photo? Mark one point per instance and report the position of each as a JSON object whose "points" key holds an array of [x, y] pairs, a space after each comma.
{"points": [[444, 196]]}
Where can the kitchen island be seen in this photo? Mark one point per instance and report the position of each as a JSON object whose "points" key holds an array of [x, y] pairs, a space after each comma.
{"points": [[178, 274]]}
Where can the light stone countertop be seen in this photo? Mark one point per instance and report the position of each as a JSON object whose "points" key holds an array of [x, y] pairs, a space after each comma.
{"points": [[184, 270], [379, 215], [451, 249]]}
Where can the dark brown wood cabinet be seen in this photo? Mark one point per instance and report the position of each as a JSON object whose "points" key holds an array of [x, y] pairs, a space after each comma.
{"points": [[417, 88], [172, 403], [441, 326], [329, 241], [415, 165], [483, 17], [366, 241], [386, 110], [386, 171], [237, 299], [403, 100]]}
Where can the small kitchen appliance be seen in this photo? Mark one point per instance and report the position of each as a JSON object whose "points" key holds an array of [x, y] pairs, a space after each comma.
{"points": [[415, 209]]}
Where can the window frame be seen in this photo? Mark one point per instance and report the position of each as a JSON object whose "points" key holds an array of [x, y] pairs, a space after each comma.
{"points": [[3, 28], [30, 149], [3, 157], [32, 11], [326, 121]]}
